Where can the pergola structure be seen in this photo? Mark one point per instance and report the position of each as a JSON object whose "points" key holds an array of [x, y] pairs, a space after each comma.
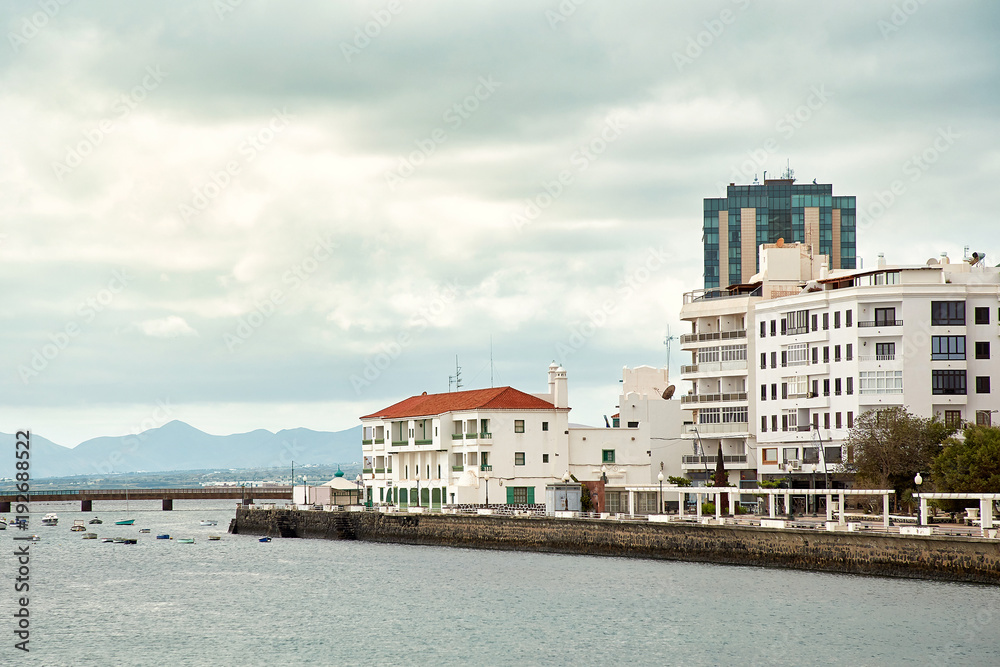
{"points": [[986, 501], [717, 491]]}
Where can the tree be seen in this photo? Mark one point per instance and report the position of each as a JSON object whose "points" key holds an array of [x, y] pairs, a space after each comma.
{"points": [[970, 464], [679, 481], [891, 445], [721, 478]]}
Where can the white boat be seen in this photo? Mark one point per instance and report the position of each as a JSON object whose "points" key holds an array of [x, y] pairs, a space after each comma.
{"points": [[79, 526], [209, 522], [50, 519], [90, 536]]}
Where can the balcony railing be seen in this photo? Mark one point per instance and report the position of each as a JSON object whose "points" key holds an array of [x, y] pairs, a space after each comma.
{"points": [[712, 460], [379, 441], [715, 366], [486, 468], [458, 468], [457, 436], [728, 427], [400, 443], [720, 293], [367, 471], [877, 357], [426, 441], [713, 335], [366, 442], [379, 471], [713, 398], [880, 323]]}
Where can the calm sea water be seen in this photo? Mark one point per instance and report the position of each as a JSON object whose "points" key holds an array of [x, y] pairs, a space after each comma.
{"points": [[313, 602]]}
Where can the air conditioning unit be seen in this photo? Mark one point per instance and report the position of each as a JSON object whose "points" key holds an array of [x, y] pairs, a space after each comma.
{"points": [[795, 465]]}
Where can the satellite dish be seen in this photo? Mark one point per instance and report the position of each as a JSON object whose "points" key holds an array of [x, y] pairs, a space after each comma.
{"points": [[932, 262], [669, 392], [977, 257]]}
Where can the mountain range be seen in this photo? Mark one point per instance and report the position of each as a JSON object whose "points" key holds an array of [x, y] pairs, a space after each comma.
{"points": [[180, 446]]}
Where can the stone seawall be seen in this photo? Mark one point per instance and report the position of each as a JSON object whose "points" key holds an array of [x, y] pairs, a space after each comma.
{"points": [[944, 558]]}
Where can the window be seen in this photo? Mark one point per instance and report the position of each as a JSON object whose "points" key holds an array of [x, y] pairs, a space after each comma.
{"points": [[826, 387], [770, 455], [790, 454], [826, 354], [983, 384], [826, 420], [815, 355], [763, 329], [880, 382], [784, 390], [797, 354], [519, 458], [774, 392], [848, 318], [784, 358], [836, 387], [885, 351], [983, 418], [545, 426], [774, 360], [836, 353], [849, 351], [982, 315], [607, 456], [736, 415], [708, 355], [774, 422], [850, 420], [837, 422], [733, 353], [763, 359], [784, 422], [947, 313], [519, 426], [763, 392], [850, 386], [815, 322], [982, 349], [518, 495], [709, 416], [833, 454], [798, 322], [774, 328], [948, 382], [763, 424], [784, 326], [953, 418], [633, 425], [836, 320], [815, 389], [826, 321], [797, 386], [545, 458], [948, 347], [885, 317]]}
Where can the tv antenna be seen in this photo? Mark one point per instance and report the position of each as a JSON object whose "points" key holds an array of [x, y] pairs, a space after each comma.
{"points": [[455, 379], [789, 172], [666, 341]]}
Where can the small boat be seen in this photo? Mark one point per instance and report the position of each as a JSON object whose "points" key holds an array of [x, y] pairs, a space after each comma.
{"points": [[107, 539], [118, 540], [215, 538], [125, 522], [186, 540], [3, 524], [35, 538], [78, 526], [163, 537], [130, 540], [144, 530], [50, 519], [90, 536], [95, 520], [208, 522], [19, 523], [264, 539]]}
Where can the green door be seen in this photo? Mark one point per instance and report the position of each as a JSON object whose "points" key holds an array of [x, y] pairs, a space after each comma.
{"points": [[436, 498], [403, 502], [425, 497]]}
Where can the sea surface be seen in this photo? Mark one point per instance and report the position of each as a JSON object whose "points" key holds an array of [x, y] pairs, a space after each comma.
{"points": [[314, 602]]}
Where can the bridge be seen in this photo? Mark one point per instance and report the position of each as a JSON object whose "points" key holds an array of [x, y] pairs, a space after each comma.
{"points": [[247, 494]]}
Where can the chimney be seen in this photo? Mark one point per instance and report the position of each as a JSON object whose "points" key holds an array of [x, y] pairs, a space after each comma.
{"points": [[552, 377], [881, 260], [560, 399]]}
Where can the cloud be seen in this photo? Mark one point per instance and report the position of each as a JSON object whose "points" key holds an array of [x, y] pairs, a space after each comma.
{"points": [[166, 327]]}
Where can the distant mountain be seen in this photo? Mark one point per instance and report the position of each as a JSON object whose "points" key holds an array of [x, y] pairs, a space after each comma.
{"points": [[180, 446]]}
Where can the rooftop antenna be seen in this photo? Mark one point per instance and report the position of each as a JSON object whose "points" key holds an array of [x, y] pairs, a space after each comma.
{"points": [[789, 172], [491, 361], [666, 341], [455, 379]]}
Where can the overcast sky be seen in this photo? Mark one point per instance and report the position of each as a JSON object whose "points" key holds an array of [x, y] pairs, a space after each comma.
{"points": [[269, 214]]}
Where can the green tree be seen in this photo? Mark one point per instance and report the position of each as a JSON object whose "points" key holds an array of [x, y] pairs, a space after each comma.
{"points": [[891, 445], [679, 481], [970, 464]]}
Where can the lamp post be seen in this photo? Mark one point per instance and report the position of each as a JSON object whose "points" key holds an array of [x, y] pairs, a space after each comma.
{"points": [[565, 480], [360, 481], [305, 485], [486, 476], [659, 500], [918, 480]]}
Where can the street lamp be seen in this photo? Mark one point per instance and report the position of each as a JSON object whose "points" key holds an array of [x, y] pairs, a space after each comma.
{"points": [[486, 476], [918, 480], [659, 506], [360, 481], [565, 480], [305, 485]]}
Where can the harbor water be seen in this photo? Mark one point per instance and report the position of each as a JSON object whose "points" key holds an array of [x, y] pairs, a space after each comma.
{"points": [[238, 601]]}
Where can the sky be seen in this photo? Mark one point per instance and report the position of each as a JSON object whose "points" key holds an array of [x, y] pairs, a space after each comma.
{"points": [[261, 214]]}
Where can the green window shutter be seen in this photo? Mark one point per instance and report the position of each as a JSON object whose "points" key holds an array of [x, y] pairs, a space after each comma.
{"points": [[381, 495], [510, 495], [531, 495]]}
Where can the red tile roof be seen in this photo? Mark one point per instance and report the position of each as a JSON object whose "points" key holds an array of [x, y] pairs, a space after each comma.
{"points": [[498, 398]]}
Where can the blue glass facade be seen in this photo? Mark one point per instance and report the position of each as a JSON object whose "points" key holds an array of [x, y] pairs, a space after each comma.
{"points": [[780, 213]]}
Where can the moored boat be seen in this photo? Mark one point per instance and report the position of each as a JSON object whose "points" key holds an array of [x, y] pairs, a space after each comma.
{"points": [[163, 537], [215, 538], [208, 522], [264, 539], [95, 520], [144, 530], [125, 522], [186, 540], [50, 519], [78, 526], [90, 536]]}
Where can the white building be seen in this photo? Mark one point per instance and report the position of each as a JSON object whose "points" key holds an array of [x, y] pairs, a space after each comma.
{"points": [[782, 366], [497, 446]]}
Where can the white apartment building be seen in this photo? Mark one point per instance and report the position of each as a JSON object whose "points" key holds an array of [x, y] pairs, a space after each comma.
{"points": [[782, 366], [923, 337], [495, 446]]}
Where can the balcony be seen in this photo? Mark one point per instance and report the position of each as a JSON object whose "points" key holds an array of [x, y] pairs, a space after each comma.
{"points": [[713, 398], [712, 460], [367, 471], [877, 357], [458, 468], [713, 335], [457, 436], [728, 427], [427, 441], [379, 441], [400, 443], [486, 468], [715, 367], [366, 442], [713, 293], [879, 323]]}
